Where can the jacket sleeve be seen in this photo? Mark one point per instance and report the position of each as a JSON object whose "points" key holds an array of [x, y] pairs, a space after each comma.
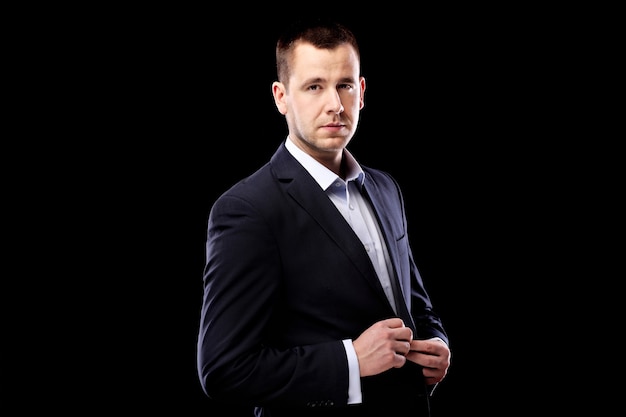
{"points": [[240, 281]]}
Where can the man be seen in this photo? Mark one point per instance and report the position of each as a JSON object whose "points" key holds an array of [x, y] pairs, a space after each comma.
{"points": [[313, 305]]}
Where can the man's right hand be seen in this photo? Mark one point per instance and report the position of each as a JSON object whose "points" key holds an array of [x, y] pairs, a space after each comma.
{"points": [[383, 346]]}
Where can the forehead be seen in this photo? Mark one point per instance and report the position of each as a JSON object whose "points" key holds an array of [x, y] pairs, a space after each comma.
{"points": [[309, 61]]}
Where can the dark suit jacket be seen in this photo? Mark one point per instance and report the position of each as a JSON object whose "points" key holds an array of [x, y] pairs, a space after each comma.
{"points": [[286, 279]]}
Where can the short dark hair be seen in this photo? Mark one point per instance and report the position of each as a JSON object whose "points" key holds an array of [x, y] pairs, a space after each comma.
{"points": [[319, 32]]}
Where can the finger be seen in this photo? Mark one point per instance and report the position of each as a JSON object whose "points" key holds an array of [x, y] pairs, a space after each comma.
{"points": [[399, 361], [401, 347], [424, 347], [394, 322], [404, 334]]}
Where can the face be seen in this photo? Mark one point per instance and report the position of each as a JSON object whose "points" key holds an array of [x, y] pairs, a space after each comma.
{"points": [[322, 100]]}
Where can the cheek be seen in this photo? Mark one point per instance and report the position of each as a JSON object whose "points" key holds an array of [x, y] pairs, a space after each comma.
{"points": [[356, 104], [352, 101], [303, 107]]}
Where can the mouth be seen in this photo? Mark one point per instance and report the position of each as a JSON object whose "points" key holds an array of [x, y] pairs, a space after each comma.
{"points": [[333, 128], [334, 125]]}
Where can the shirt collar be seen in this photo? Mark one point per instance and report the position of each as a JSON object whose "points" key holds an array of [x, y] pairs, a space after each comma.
{"points": [[322, 175]]}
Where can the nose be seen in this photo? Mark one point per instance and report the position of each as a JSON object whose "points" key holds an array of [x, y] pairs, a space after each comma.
{"points": [[335, 105]]}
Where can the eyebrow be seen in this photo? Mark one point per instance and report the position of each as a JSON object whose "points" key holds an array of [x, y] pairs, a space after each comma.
{"points": [[317, 80]]}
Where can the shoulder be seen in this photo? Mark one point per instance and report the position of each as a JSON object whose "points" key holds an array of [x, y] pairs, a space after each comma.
{"points": [[258, 183], [380, 178], [253, 186]]}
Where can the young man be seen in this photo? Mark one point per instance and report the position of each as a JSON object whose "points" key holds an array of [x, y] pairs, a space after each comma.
{"points": [[313, 305]]}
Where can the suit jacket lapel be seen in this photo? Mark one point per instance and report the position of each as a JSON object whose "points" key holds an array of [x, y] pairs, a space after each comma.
{"points": [[378, 202], [307, 193]]}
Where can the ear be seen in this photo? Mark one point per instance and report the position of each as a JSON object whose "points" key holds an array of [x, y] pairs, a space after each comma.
{"points": [[362, 85], [279, 93]]}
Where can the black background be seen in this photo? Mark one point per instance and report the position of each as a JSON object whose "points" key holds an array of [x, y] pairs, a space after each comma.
{"points": [[471, 112]]}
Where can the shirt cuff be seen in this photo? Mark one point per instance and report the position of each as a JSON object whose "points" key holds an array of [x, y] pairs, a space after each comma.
{"points": [[354, 375]]}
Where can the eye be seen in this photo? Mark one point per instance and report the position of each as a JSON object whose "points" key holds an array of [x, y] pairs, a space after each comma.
{"points": [[314, 87], [346, 86]]}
